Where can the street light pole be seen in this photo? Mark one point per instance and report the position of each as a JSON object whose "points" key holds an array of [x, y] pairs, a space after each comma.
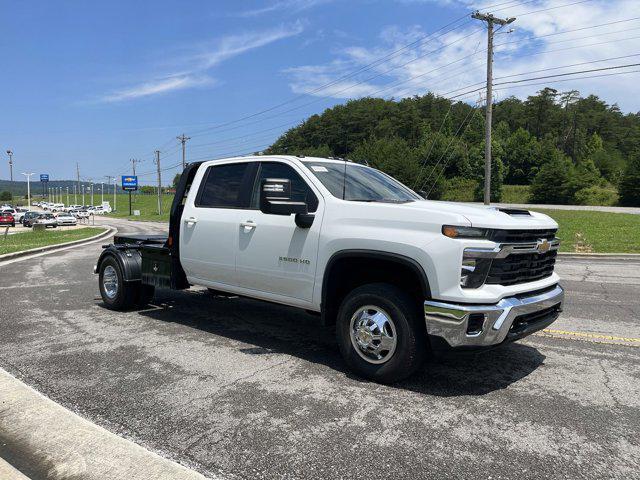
{"points": [[101, 193], [10, 153], [28, 175], [82, 189]]}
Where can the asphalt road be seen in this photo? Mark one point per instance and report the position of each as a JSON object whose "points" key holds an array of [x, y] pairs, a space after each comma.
{"points": [[252, 390]]}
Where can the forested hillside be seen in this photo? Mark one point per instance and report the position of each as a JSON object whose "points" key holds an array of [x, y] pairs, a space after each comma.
{"points": [[567, 148]]}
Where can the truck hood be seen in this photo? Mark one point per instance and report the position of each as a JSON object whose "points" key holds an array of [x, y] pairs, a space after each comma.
{"points": [[486, 216]]}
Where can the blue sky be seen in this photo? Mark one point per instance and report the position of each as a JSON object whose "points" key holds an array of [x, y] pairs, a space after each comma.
{"points": [[102, 82]]}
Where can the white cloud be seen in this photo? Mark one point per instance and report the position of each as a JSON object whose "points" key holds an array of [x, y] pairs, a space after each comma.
{"points": [[156, 87], [234, 45], [283, 5], [428, 67], [193, 72]]}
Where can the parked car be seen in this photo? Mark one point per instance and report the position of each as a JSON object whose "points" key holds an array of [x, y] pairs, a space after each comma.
{"points": [[29, 217], [65, 218], [81, 213], [394, 275], [20, 212], [57, 207], [46, 219], [6, 218]]}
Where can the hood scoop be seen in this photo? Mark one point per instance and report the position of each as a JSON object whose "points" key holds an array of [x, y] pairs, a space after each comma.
{"points": [[515, 212]]}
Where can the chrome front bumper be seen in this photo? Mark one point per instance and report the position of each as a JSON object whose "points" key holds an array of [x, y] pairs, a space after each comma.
{"points": [[511, 318]]}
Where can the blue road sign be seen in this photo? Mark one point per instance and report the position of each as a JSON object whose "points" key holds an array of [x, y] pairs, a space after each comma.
{"points": [[44, 177], [129, 182]]}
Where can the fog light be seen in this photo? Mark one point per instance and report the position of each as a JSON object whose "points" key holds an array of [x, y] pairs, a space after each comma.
{"points": [[475, 323]]}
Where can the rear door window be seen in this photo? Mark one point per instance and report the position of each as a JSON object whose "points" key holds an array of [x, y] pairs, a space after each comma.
{"points": [[223, 186]]}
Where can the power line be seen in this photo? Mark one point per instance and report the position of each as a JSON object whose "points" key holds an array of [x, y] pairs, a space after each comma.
{"points": [[349, 75], [572, 79], [552, 76], [551, 8], [570, 73], [545, 70]]}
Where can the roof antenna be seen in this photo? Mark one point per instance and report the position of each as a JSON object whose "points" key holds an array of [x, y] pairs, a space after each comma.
{"points": [[344, 180]]}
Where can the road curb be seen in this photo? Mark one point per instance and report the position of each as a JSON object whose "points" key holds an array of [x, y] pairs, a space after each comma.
{"points": [[45, 440], [601, 256], [10, 256]]}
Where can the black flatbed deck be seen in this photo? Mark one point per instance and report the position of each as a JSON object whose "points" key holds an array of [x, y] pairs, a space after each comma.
{"points": [[140, 239]]}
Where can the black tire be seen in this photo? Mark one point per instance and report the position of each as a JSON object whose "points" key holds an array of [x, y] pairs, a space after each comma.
{"points": [[126, 295], [145, 295], [410, 346]]}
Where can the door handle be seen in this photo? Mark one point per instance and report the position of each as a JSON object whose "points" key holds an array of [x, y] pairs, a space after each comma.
{"points": [[249, 224], [191, 220]]}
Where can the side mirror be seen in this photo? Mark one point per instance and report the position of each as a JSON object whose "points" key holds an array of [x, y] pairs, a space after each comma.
{"points": [[422, 193], [275, 198]]}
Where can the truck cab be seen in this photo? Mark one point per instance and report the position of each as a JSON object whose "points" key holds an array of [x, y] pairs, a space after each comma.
{"points": [[396, 275]]}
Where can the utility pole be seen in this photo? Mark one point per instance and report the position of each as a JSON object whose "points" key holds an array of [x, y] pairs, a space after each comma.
{"points": [[28, 175], [91, 186], [67, 196], [133, 165], [82, 190], [101, 193], [109, 177], [115, 187], [10, 153], [491, 20], [183, 139], [157, 162], [75, 195]]}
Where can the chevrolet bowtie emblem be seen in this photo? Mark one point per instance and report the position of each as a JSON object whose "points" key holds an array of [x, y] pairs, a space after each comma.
{"points": [[543, 246]]}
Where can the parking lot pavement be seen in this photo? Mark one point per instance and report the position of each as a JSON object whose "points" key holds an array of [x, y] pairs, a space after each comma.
{"points": [[255, 390]]}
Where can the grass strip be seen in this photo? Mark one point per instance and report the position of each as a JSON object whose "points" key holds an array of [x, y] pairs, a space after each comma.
{"points": [[28, 240]]}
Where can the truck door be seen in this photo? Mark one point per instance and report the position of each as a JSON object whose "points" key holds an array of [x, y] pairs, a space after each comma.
{"points": [[209, 230], [275, 256]]}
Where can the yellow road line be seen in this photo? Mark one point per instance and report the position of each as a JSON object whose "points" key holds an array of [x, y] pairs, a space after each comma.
{"points": [[591, 337]]}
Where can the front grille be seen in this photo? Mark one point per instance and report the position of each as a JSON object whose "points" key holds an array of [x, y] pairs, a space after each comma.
{"points": [[522, 236], [521, 268]]}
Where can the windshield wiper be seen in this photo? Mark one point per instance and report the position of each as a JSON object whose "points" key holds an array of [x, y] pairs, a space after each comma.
{"points": [[380, 200]]}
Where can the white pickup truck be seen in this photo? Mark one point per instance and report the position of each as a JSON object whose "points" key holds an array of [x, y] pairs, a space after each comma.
{"points": [[398, 276]]}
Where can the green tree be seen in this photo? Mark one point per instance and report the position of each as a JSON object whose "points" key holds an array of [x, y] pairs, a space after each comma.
{"points": [[176, 180], [393, 156], [5, 196], [610, 163], [521, 157], [584, 175], [552, 183], [630, 183]]}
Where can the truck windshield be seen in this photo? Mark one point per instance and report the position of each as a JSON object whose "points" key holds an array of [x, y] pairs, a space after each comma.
{"points": [[361, 184]]}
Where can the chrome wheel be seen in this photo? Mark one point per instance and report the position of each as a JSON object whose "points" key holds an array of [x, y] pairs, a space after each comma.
{"points": [[110, 282], [373, 334]]}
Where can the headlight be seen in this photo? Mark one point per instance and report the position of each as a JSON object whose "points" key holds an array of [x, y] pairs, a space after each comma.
{"points": [[474, 270], [453, 231]]}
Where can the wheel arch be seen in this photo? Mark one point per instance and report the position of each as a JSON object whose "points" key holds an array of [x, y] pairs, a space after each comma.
{"points": [[335, 286], [129, 260]]}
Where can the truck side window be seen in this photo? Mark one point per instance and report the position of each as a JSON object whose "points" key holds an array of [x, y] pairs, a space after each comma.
{"points": [[300, 190], [222, 186]]}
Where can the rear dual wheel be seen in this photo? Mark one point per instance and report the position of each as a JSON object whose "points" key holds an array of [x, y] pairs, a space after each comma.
{"points": [[118, 294]]}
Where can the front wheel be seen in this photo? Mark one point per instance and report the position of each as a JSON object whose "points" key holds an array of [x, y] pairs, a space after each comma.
{"points": [[380, 333]]}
